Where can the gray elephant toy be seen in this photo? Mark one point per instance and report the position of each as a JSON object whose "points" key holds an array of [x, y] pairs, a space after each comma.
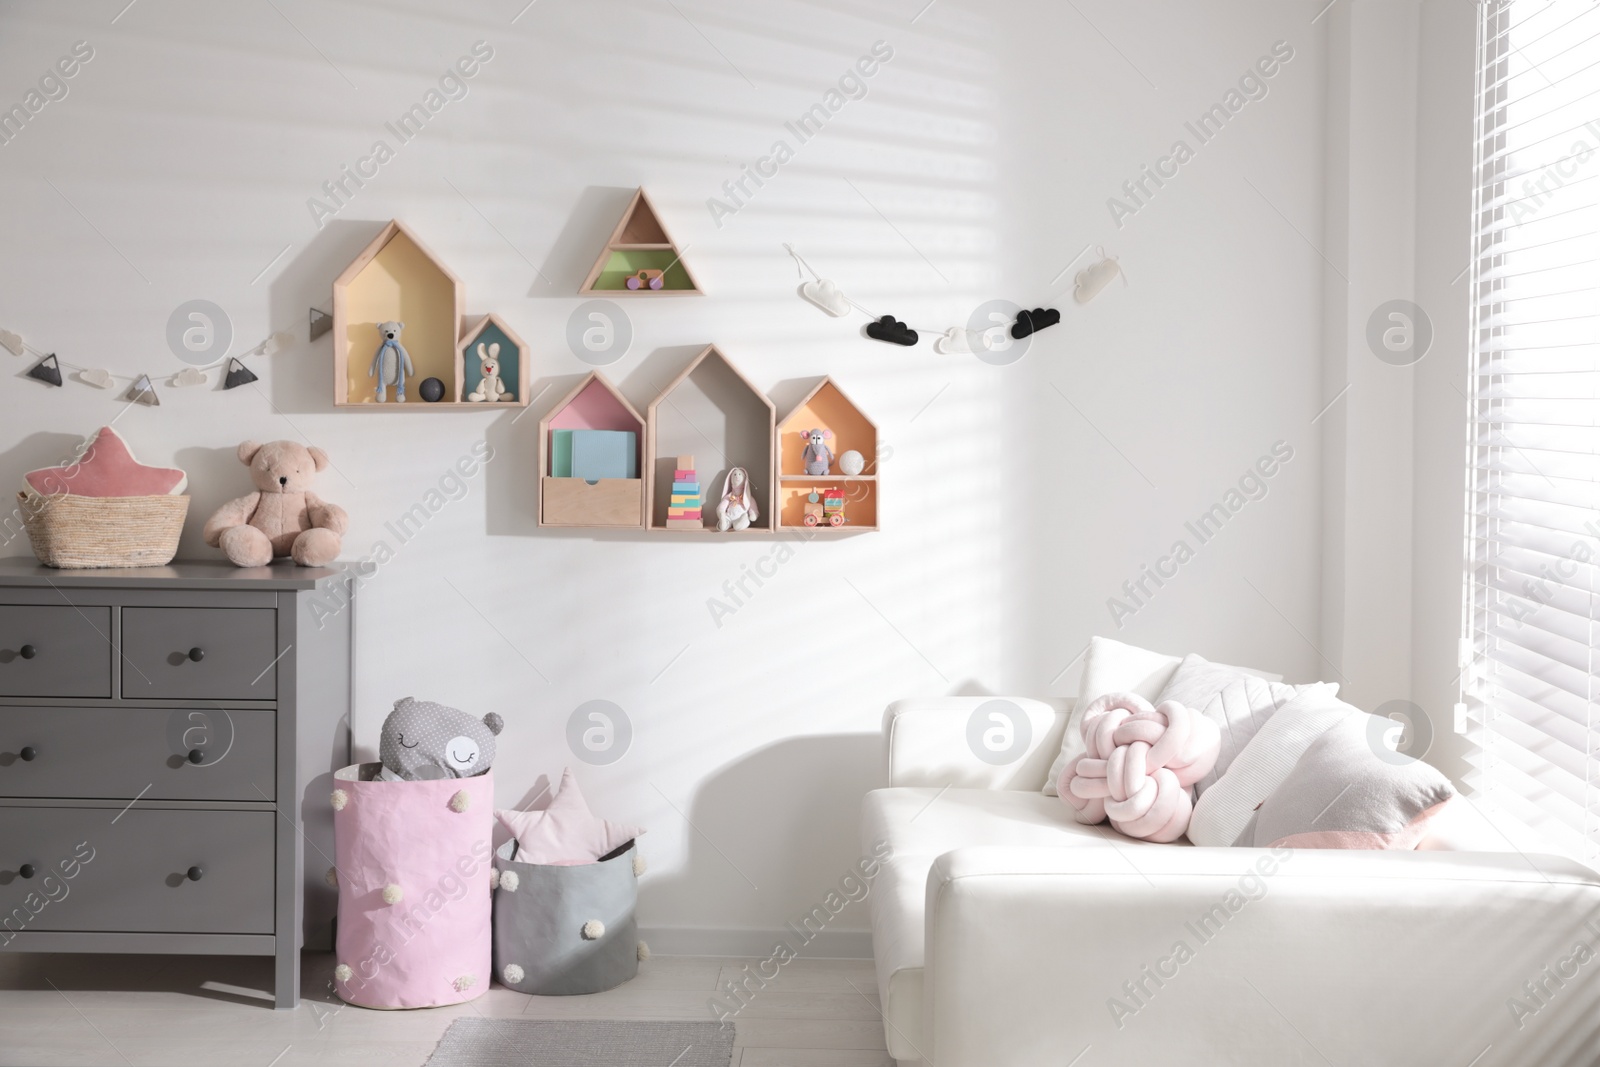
{"points": [[391, 364], [422, 741]]}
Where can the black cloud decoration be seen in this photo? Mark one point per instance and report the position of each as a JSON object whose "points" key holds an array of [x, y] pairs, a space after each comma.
{"points": [[1029, 322], [893, 331]]}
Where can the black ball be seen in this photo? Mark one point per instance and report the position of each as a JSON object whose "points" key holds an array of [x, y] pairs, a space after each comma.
{"points": [[432, 390]]}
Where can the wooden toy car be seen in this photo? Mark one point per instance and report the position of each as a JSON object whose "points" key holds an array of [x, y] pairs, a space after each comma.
{"points": [[647, 279], [825, 506]]}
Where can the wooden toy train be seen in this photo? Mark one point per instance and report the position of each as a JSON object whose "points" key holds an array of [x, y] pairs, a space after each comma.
{"points": [[825, 506]]}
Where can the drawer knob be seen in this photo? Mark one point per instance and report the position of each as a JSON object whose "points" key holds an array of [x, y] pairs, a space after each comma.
{"points": [[196, 873], [196, 756], [28, 753], [28, 651], [27, 870], [197, 654]]}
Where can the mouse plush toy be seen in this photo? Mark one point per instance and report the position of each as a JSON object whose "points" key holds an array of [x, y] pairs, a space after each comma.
{"points": [[817, 456], [422, 741]]}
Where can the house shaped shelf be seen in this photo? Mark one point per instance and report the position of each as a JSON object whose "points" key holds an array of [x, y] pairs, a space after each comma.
{"points": [[854, 496], [711, 412], [640, 259], [396, 278], [567, 497], [506, 350]]}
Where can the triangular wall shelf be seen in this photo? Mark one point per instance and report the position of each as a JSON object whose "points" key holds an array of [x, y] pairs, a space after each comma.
{"points": [[640, 251]]}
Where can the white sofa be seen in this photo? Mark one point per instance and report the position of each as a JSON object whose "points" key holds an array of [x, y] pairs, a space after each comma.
{"points": [[1006, 934]]}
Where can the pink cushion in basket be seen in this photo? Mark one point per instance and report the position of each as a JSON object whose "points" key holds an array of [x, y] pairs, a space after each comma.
{"points": [[107, 468]]}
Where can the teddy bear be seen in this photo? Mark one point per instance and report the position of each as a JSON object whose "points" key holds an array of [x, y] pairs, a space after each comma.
{"points": [[283, 517], [817, 457], [391, 364], [422, 741], [491, 387]]}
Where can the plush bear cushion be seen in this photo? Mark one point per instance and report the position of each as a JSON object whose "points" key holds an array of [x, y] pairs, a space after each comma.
{"points": [[566, 832], [107, 468], [1113, 667], [423, 741], [1350, 790]]}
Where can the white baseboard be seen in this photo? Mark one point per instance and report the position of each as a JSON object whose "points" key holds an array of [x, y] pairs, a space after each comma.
{"points": [[708, 941]]}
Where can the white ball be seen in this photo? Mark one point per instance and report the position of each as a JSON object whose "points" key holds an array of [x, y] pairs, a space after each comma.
{"points": [[460, 802], [509, 881], [512, 974], [343, 973], [638, 864], [644, 951], [393, 894], [464, 983], [851, 462], [332, 878], [340, 798], [594, 930]]}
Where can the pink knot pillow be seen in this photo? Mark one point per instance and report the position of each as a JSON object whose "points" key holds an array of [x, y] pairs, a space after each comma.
{"points": [[1139, 765]]}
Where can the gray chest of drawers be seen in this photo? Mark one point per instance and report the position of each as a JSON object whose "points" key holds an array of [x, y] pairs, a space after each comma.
{"points": [[167, 742]]}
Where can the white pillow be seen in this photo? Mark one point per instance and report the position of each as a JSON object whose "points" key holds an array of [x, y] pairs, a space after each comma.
{"points": [[1113, 667], [1239, 703], [1223, 811]]}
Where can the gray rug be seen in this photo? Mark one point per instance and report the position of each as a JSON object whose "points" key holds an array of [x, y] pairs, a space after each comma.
{"points": [[582, 1043]]}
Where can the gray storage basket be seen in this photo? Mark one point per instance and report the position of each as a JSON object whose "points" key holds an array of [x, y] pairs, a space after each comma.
{"points": [[543, 941]]}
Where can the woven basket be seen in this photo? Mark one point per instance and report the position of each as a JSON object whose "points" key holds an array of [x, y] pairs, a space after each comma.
{"points": [[103, 531]]}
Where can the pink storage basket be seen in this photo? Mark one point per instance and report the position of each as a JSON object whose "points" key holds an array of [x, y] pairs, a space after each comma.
{"points": [[414, 875]]}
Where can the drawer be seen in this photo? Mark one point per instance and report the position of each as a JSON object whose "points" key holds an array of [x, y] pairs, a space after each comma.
{"points": [[199, 653], [606, 502], [55, 651], [121, 753], [93, 874]]}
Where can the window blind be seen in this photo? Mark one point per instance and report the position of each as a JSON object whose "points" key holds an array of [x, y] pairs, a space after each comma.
{"points": [[1531, 617]]}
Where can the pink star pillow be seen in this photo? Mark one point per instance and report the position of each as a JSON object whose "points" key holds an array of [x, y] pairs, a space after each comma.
{"points": [[566, 833], [107, 469]]}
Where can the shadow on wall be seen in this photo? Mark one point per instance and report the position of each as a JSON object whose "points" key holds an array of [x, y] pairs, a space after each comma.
{"points": [[780, 823]]}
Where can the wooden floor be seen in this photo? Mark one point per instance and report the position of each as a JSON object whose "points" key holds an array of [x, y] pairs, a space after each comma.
{"points": [[200, 1010]]}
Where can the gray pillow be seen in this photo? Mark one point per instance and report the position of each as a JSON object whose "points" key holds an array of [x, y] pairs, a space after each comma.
{"points": [[1350, 790], [1239, 703]]}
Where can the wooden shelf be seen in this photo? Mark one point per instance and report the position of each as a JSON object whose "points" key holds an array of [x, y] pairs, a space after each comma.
{"points": [[712, 412], [565, 501], [396, 278], [640, 243], [516, 371], [827, 407]]}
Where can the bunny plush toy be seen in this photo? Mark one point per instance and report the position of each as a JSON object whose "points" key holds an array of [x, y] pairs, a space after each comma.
{"points": [[490, 387]]}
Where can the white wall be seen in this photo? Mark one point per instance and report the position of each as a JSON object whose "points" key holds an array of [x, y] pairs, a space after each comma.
{"points": [[1016, 501]]}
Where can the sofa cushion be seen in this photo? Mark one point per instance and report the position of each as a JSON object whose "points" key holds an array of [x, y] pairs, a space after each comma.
{"points": [[1350, 791], [1223, 811], [1237, 701], [1113, 667], [921, 824]]}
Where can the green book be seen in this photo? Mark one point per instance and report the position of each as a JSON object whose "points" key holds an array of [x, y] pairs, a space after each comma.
{"points": [[560, 453]]}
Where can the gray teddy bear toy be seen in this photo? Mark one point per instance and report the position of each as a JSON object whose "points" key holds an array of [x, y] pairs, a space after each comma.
{"points": [[391, 364], [422, 741]]}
